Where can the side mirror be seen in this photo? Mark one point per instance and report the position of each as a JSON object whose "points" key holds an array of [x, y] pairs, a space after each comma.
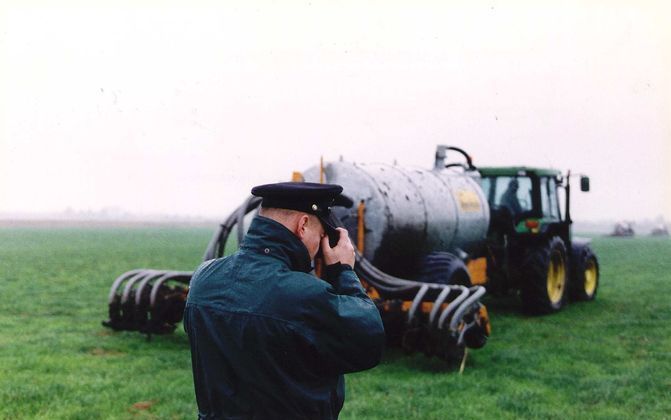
{"points": [[584, 183]]}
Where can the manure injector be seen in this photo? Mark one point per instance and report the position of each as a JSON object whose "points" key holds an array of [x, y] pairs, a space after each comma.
{"points": [[428, 243]]}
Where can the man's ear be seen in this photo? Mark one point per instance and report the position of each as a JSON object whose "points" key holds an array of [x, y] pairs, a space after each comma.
{"points": [[301, 228]]}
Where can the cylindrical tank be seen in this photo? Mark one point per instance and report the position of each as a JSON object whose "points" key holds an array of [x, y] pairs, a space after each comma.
{"points": [[409, 212]]}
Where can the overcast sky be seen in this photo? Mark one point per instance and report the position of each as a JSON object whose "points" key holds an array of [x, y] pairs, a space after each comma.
{"points": [[181, 110]]}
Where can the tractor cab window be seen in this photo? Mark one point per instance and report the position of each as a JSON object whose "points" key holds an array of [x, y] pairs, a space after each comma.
{"points": [[549, 198], [486, 185], [513, 193]]}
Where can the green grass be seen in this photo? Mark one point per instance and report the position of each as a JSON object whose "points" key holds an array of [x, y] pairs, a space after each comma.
{"points": [[607, 359]]}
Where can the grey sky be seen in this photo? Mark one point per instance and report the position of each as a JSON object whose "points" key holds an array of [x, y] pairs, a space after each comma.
{"points": [[181, 110]]}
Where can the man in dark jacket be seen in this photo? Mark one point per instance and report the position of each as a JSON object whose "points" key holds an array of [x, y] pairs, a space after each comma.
{"points": [[509, 198], [268, 339]]}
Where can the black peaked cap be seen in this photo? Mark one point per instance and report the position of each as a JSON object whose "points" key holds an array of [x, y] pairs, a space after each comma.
{"points": [[307, 197]]}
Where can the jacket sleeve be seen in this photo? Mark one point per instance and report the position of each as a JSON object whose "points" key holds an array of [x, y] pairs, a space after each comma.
{"points": [[342, 324]]}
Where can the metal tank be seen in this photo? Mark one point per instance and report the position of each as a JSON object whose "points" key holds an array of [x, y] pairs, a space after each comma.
{"points": [[410, 212]]}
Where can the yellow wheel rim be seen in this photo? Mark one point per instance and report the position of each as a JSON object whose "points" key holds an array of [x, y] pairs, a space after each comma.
{"points": [[591, 275], [556, 278]]}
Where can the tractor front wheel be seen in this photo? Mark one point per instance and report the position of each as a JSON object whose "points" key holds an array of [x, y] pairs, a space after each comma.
{"points": [[584, 274], [544, 277]]}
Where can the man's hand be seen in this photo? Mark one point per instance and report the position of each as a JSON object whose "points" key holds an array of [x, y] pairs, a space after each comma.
{"points": [[343, 252]]}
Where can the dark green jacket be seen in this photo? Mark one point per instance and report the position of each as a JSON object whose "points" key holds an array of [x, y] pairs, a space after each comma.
{"points": [[269, 340]]}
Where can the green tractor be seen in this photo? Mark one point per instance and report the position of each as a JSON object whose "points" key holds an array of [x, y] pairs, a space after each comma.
{"points": [[530, 246]]}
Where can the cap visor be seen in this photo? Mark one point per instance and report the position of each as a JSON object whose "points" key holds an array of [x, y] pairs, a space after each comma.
{"points": [[343, 200]]}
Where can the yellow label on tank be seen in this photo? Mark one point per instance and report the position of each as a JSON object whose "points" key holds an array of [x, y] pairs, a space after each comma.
{"points": [[468, 201]]}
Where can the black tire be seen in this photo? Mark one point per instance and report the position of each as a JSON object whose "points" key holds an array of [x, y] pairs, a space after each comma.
{"points": [[544, 277], [451, 352], [584, 273], [443, 268]]}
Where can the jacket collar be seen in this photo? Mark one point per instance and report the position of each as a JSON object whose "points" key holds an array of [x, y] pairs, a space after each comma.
{"points": [[268, 237]]}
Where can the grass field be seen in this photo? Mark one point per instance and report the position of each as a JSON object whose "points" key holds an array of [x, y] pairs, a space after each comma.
{"points": [[606, 359]]}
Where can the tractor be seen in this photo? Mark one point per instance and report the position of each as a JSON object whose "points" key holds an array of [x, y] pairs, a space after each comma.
{"points": [[430, 243], [623, 229], [530, 246]]}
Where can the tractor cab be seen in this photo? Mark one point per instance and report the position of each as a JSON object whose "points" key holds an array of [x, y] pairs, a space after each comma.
{"points": [[524, 201]]}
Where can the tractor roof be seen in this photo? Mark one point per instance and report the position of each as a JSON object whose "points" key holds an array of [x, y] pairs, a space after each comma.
{"points": [[516, 171]]}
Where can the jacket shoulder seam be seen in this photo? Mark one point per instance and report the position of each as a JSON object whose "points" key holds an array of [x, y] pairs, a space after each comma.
{"points": [[244, 313]]}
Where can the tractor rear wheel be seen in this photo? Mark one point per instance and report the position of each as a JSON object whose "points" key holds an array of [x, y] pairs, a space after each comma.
{"points": [[544, 277], [584, 273], [443, 268]]}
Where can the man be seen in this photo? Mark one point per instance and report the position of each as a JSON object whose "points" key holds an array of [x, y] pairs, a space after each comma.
{"points": [[268, 339], [509, 197]]}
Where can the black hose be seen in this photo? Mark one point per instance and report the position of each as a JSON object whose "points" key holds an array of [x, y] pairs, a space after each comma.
{"points": [[466, 155], [217, 245]]}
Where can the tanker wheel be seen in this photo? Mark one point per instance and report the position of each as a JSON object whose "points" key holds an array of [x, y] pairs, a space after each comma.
{"points": [[585, 274], [443, 268], [544, 277]]}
